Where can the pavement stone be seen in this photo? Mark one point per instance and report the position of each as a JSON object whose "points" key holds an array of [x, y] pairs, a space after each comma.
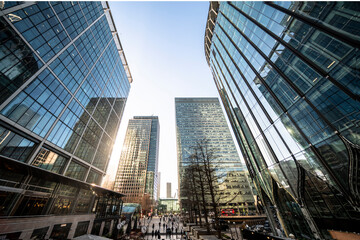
{"points": [[177, 224]]}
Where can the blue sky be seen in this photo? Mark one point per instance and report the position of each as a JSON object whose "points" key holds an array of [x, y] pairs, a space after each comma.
{"points": [[164, 47]]}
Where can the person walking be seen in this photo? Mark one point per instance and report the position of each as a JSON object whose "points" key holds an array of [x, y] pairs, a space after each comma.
{"points": [[153, 225], [159, 235], [152, 233], [163, 225], [159, 224]]}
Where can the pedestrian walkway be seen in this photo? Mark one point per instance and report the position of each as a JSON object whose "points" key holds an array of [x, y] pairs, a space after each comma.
{"points": [[170, 228]]}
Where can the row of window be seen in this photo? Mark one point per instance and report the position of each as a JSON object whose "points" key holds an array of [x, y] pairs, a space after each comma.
{"points": [[284, 108], [17, 61]]}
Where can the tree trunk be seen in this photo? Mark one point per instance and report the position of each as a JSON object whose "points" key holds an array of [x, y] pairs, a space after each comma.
{"points": [[204, 203]]}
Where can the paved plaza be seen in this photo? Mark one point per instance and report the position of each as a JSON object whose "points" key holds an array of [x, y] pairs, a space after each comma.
{"points": [[164, 224]]}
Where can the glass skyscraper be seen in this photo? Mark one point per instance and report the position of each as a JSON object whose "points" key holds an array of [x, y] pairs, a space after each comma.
{"points": [[199, 118], [64, 81], [137, 175], [288, 76]]}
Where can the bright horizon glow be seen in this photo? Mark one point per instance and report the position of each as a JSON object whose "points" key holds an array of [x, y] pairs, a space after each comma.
{"points": [[164, 46]]}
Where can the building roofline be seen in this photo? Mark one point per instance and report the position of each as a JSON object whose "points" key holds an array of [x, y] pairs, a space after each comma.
{"points": [[145, 117], [113, 29], [210, 25], [196, 99]]}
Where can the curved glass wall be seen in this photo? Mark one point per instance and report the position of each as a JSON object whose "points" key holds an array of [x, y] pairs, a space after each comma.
{"points": [[288, 76]]}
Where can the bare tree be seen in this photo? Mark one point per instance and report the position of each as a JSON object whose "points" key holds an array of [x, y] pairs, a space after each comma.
{"points": [[209, 178], [199, 180], [190, 192]]}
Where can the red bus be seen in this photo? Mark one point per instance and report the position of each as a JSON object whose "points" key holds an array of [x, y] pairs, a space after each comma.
{"points": [[227, 212]]}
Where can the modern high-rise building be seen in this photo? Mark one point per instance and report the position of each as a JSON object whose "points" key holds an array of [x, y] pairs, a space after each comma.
{"points": [[168, 190], [137, 172], [199, 118], [288, 76], [64, 81], [158, 185]]}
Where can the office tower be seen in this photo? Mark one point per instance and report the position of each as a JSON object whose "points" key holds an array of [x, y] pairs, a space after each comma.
{"points": [[136, 176], [288, 76], [168, 190], [64, 81], [199, 118], [158, 185]]}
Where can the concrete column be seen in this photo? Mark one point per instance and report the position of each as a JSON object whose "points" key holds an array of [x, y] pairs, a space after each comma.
{"points": [[72, 229], [91, 224], [47, 236], [102, 228], [26, 234], [111, 227]]}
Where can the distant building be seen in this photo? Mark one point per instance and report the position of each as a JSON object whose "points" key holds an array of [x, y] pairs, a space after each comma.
{"points": [[138, 166], [64, 81], [288, 76], [168, 205], [197, 118], [168, 190], [158, 185]]}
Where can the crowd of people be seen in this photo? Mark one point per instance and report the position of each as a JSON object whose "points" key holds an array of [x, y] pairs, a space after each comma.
{"points": [[168, 225]]}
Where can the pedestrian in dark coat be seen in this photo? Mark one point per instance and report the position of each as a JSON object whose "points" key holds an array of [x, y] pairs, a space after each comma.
{"points": [[152, 233], [153, 225], [159, 235]]}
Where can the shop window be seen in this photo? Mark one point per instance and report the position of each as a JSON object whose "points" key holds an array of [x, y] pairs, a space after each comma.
{"points": [[11, 236], [96, 228], [60, 231], [39, 233], [81, 228]]}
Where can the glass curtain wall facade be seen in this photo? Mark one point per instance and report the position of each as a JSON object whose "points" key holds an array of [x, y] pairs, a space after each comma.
{"points": [[64, 81], [137, 176], [199, 118], [288, 76]]}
